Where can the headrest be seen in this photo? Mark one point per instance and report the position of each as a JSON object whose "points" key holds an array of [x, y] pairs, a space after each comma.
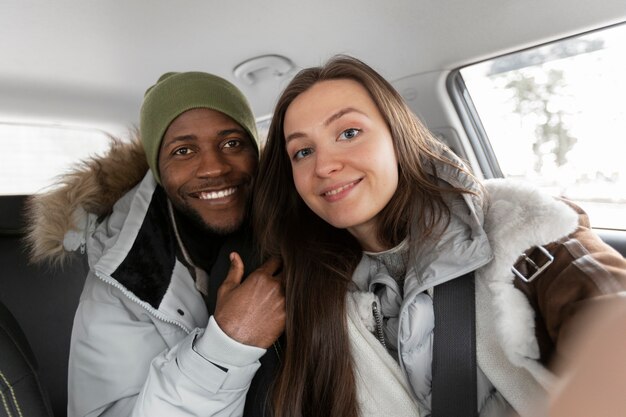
{"points": [[12, 215]]}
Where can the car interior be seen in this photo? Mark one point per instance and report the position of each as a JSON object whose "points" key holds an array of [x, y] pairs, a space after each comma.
{"points": [[74, 73]]}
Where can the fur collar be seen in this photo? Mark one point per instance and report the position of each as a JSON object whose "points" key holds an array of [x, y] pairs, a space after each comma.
{"points": [[93, 187]]}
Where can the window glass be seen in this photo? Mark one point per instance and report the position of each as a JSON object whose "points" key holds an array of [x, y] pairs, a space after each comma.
{"points": [[263, 127], [32, 156], [555, 115]]}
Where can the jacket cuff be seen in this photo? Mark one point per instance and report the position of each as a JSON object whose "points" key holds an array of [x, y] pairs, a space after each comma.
{"points": [[216, 346], [216, 362]]}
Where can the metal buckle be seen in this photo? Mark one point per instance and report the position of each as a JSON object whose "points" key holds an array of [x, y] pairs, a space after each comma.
{"points": [[538, 269]]}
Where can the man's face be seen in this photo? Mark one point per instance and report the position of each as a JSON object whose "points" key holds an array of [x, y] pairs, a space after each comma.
{"points": [[207, 164]]}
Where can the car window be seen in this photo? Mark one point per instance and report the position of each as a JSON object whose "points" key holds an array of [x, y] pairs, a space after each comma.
{"points": [[555, 115], [34, 155]]}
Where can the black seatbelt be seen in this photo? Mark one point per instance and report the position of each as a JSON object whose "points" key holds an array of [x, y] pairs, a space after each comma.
{"points": [[454, 349]]}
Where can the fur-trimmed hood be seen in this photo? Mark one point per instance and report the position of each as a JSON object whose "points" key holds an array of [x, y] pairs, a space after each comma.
{"points": [[89, 191]]}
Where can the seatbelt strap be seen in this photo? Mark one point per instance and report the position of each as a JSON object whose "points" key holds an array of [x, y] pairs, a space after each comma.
{"points": [[454, 349]]}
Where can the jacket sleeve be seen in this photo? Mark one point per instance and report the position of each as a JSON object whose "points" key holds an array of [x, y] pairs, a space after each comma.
{"points": [[586, 274], [207, 374], [120, 365]]}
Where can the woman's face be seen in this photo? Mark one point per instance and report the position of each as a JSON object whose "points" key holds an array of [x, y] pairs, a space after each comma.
{"points": [[342, 156]]}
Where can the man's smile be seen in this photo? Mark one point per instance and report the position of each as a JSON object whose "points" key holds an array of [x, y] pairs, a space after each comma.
{"points": [[216, 194]]}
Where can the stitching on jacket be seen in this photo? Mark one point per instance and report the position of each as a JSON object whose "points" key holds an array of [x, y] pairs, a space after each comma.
{"points": [[4, 402], [586, 263]]}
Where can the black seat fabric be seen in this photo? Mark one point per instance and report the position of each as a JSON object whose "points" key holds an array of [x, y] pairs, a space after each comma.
{"points": [[42, 299], [20, 390]]}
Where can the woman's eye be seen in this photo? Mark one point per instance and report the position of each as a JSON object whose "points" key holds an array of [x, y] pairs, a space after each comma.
{"points": [[349, 134], [302, 153]]}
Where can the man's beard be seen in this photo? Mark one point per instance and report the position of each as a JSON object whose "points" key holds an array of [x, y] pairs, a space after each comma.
{"points": [[194, 219]]}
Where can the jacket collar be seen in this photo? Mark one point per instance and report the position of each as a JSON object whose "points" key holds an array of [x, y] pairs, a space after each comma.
{"points": [[138, 242]]}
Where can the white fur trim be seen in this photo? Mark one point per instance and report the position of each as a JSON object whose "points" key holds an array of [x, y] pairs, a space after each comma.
{"points": [[518, 217], [85, 224], [524, 387]]}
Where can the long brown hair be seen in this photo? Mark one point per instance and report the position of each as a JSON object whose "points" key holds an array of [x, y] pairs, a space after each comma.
{"points": [[316, 376]]}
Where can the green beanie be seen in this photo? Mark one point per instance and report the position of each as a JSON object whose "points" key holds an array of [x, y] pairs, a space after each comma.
{"points": [[175, 93]]}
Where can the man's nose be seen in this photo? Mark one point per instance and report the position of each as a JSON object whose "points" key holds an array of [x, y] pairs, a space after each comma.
{"points": [[212, 164]]}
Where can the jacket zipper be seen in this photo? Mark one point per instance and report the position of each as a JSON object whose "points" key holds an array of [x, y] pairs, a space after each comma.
{"points": [[156, 313], [379, 324]]}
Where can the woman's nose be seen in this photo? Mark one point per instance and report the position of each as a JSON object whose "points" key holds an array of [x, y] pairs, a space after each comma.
{"points": [[327, 162]]}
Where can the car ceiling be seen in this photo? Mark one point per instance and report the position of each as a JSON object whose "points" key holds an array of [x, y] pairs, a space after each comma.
{"points": [[91, 61]]}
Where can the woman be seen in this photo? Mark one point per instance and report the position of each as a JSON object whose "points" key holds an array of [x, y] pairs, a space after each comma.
{"points": [[370, 213]]}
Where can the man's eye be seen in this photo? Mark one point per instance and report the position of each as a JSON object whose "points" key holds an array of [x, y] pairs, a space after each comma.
{"points": [[302, 153], [349, 134], [181, 151], [232, 143]]}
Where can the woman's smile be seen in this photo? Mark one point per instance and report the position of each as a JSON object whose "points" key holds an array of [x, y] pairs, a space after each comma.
{"points": [[337, 193]]}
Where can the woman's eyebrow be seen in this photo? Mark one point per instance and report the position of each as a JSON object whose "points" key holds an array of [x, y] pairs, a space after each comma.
{"points": [[294, 135], [342, 113], [339, 114]]}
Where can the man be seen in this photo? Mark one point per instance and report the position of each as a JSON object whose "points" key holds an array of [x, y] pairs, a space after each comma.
{"points": [[152, 335]]}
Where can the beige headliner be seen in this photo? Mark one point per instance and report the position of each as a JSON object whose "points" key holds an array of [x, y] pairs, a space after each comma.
{"points": [[91, 61]]}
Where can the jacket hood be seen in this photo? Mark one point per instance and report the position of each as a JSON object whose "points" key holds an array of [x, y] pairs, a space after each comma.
{"points": [[88, 191], [463, 245]]}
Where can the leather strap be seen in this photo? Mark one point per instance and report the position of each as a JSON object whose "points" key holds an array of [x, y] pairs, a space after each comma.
{"points": [[454, 349]]}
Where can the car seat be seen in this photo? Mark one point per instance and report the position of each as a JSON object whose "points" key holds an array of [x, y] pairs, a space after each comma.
{"points": [[42, 299], [21, 392]]}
